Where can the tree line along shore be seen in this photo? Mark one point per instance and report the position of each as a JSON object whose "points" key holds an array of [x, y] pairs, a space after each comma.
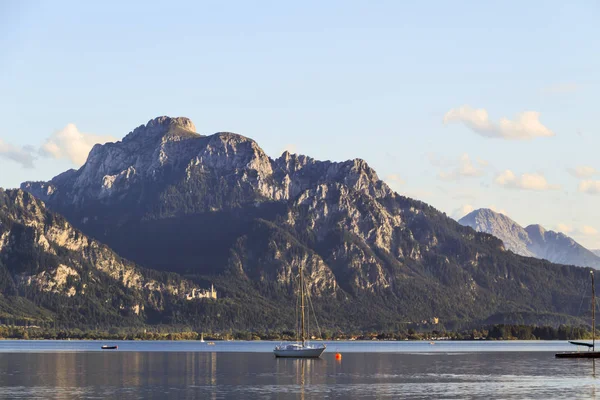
{"points": [[493, 332]]}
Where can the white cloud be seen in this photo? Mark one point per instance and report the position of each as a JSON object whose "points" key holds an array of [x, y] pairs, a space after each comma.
{"points": [[482, 163], [464, 167], [589, 186], [564, 228], [526, 125], [526, 181], [583, 171], [462, 211], [71, 144], [21, 155], [394, 179], [577, 232]]}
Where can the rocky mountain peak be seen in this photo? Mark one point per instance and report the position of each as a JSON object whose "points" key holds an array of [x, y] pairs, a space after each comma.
{"points": [[228, 151], [167, 149], [160, 126], [218, 206]]}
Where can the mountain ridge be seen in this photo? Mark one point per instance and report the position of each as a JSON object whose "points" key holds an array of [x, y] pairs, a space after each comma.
{"points": [[531, 241], [217, 207]]}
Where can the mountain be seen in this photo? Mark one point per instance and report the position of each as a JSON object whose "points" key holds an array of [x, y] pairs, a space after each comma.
{"points": [[596, 252], [514, 237], [532, 241], [52, 272], [217, 208]]}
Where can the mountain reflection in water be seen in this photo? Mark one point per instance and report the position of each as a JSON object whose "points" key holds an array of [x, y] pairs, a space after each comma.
{"points": [[161, 374]]}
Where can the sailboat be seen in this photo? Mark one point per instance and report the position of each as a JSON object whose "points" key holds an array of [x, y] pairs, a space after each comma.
{"points": [[202, 337], [591, 353], [300, 349]]}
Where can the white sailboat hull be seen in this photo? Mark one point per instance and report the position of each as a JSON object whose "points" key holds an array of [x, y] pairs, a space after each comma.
{"points": [[298, 351]]}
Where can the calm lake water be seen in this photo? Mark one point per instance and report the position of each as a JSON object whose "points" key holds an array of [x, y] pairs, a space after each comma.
{"points": [[247, 370]]}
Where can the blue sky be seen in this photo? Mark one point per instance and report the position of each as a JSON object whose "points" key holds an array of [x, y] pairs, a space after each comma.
{"points": [[396, 83]]}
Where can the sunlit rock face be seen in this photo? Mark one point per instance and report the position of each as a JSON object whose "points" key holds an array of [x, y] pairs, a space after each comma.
{"points": [[166, 158], [41, 252], [217, 205]]}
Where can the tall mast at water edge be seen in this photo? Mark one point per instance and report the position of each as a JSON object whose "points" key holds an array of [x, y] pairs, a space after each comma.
{"points": [[593, 312], [302, 305]]}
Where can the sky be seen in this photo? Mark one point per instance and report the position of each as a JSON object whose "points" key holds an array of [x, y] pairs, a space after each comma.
{"points": [[462, 105]]}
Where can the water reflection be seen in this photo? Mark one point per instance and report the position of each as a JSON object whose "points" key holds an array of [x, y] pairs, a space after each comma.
{"points": [[158, 375]]}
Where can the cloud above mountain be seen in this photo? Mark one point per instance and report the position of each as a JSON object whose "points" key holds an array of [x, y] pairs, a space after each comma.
{"points": [[71, 144], [464, 168], [453, 170], [583, 171], [394, 179], [525, 126], [534, 181], [589, 187], [68, 143], [574, 231], [462, 211], [21, 155]]}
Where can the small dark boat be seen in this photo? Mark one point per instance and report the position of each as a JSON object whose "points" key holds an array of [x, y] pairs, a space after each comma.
{"points": [[105, 347], [579, 354], [591, 353]]}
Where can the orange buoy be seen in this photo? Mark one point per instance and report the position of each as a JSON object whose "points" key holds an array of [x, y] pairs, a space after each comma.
{"points": [[338, 356]]}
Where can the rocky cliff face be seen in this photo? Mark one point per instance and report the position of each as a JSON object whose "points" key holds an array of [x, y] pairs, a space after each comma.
{"points": [[217, 206], [43, 258], [166, 170], [167, 149], [532, 241]]}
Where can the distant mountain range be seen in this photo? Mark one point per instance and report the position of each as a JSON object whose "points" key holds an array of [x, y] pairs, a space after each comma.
{"points": [[532, 241], [217, 209], [596, 252]]}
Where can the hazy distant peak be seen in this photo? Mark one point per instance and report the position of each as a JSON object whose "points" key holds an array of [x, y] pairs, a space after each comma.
{"points": [[483, 213], [532, 241], [513, 235]]}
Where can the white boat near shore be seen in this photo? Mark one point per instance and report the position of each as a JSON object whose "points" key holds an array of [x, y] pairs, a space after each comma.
{"points": [[300, 349]]}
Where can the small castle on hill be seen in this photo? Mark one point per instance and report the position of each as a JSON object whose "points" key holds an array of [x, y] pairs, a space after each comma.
{"points": [[203, 293]]}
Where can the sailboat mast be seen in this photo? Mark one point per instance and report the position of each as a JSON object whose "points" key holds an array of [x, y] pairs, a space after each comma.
{"points": [[302, 306], [593, 313]]}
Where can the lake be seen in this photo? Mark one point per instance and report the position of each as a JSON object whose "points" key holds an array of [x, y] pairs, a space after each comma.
{"points": [[248, 370]]}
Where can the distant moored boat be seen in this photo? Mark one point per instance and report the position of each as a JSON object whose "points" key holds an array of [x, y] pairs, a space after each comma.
{"points": [[106, 347], [591, 353]]}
